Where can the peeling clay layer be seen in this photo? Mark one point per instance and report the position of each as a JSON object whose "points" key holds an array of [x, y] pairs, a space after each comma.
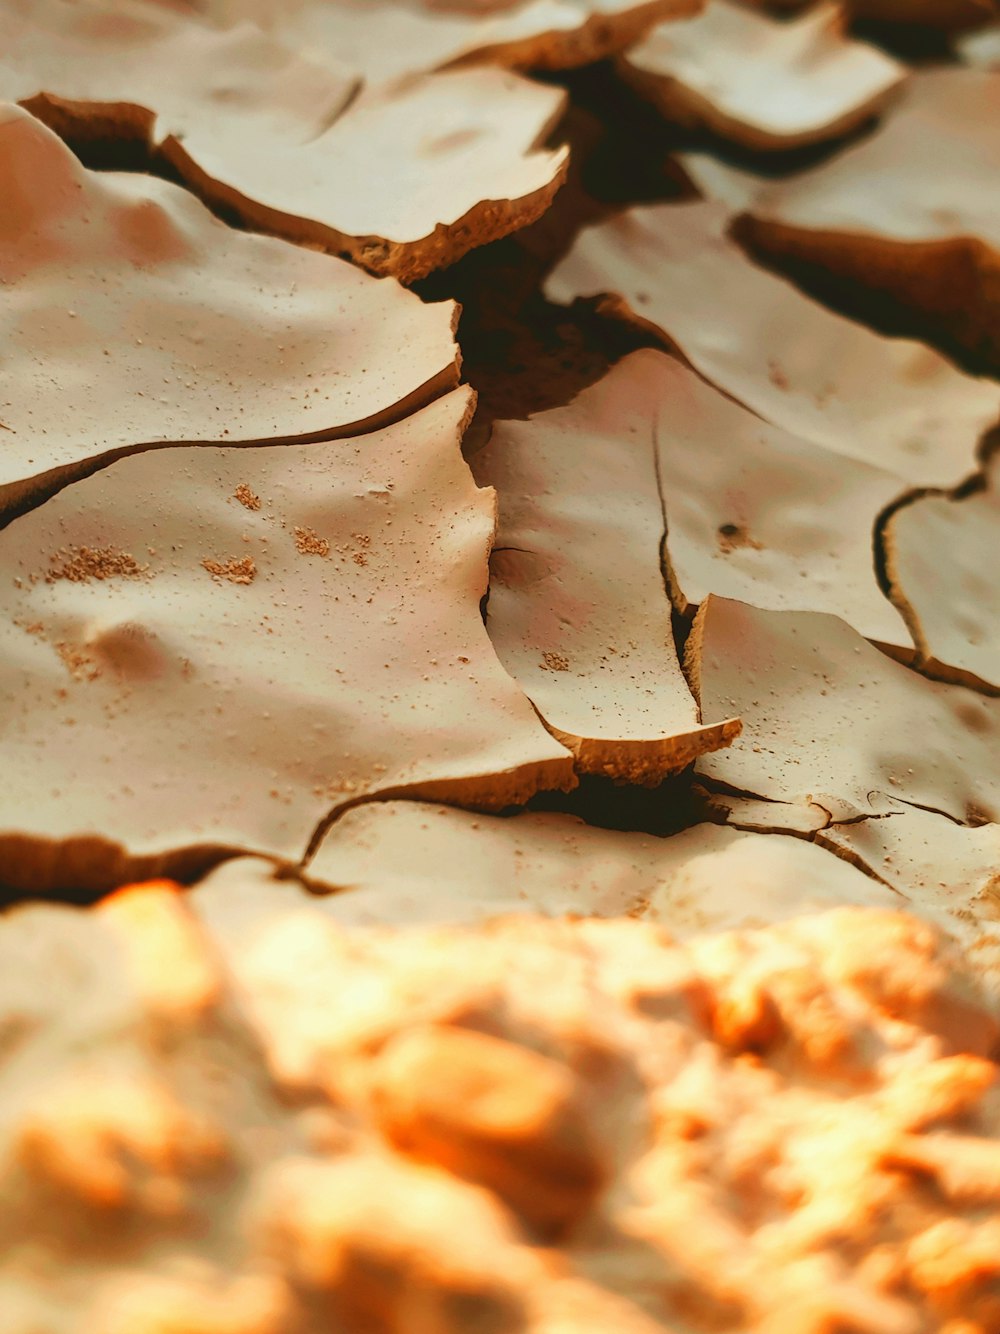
{"points": [[762, 83], [417, 1049], [242, 688], [578, 610], [826, 716], [948, 873], [391, 39], [886, 401], [412, 863], [755, 513], [286, 144], [463, 165], [271, 1120], [942, 556], [133, 318], [930, 236]]}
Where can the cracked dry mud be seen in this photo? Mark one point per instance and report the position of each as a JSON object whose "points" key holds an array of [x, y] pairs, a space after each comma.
{"points": [[498, 502]]}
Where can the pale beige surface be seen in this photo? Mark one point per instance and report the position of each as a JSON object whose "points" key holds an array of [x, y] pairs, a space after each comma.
{"points": [[949, 874], [826, 715], [758, 514], [936, 160], [147, 72], [981, 48], [943, 558], [181, 671], [930, 234], [397, 863], [133, 318], [579, 611], [890, 402], [760, 82], [721, 182], [406, 181], [401, 181], [357, 1126], [390, 39]]}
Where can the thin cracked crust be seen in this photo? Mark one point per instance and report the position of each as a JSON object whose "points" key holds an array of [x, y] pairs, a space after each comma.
{"points": [[412, 863], [930, 237], [761, 83], [391, 41], [465, 143], [141, 321], [948, 874], [579, 611], [942, 553], [757, 514], [260, 1116], [827, 715], [672, 270], [156, 623], [286, 144]]}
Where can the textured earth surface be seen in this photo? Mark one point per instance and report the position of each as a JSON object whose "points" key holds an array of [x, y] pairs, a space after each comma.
{"points": [[499, 667]]}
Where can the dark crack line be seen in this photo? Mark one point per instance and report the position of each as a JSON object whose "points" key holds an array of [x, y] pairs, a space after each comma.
{"points": [[925, 664], [680, 623], [20, 498], [883, 563], [818, 837], [855, 859], [934, 810], [336, 112]]}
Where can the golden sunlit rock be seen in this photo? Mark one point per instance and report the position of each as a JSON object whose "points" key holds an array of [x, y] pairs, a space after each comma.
{"points": [[348, 1130]]}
